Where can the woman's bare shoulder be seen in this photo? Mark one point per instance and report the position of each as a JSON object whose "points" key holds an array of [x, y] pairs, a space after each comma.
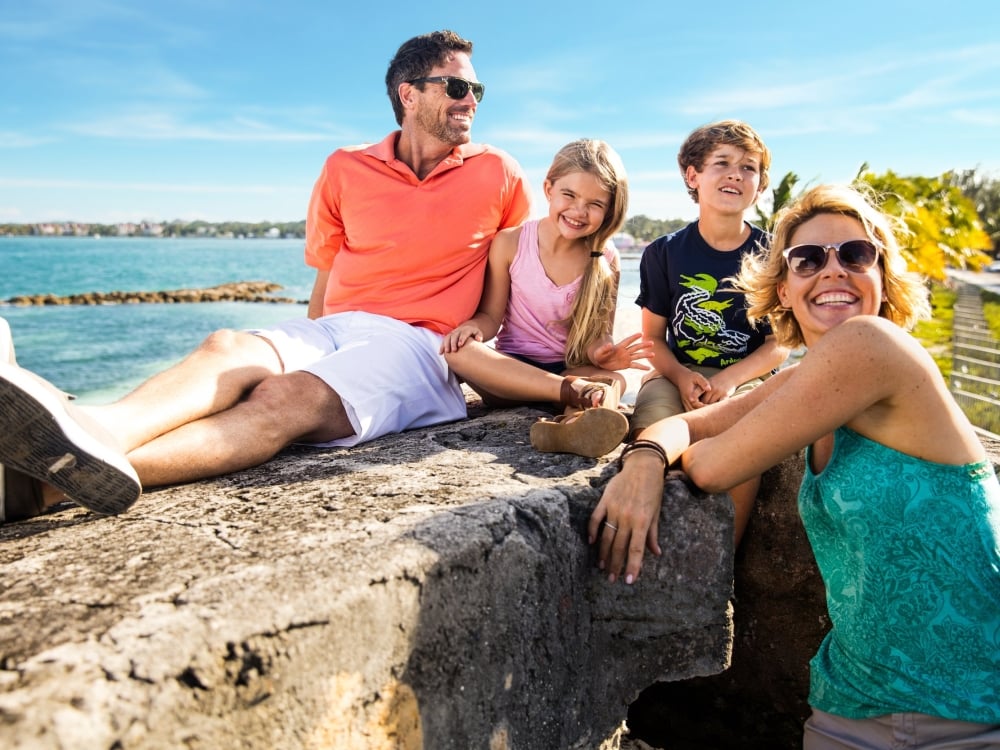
{"points": [[870, 332]]}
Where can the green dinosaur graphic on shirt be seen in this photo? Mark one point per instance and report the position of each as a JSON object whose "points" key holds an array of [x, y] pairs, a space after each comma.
{"points": [[699, 327]]}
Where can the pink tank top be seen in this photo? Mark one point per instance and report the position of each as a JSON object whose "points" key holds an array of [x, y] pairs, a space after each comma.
{"points": [[536, 305]]}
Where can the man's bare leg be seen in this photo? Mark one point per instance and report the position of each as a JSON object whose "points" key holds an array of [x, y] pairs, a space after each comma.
{"points": [[213, 378], [281, 410]]}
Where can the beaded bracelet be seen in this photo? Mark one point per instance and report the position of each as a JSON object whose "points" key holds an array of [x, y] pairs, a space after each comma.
{"points": [[644, 445]]}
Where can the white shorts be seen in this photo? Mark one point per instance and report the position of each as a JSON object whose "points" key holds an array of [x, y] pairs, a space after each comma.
{"points": [[389, 375]]}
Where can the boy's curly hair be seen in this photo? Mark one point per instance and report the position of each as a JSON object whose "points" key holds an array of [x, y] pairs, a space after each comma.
{"points": [[704, 140]]}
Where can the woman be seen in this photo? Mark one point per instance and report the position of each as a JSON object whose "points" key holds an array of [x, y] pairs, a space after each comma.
{"points": [[900, 504]]}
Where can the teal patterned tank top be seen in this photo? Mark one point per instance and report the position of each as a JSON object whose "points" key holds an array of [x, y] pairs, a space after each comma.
{"points": [[909, 552]]}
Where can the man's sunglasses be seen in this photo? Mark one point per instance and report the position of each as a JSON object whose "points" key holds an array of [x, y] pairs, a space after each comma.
{"points": [[856, 256], [455, 87]]}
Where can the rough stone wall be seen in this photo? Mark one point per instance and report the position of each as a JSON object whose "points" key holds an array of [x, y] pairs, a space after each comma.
{"points": [[428, 590]]}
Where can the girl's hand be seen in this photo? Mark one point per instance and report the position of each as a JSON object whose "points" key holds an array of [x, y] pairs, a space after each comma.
{"points": [[630, 352], [455, 340], [626, 521]]}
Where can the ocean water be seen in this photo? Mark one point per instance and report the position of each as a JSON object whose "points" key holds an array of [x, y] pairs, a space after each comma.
{"points": [[100, 352]]}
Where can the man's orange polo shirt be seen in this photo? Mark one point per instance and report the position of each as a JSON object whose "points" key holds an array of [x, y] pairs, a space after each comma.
{"points": [[414, 250]]}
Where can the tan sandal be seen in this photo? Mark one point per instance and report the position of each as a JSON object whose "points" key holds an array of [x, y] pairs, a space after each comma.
{"points": [[584, 397], [591, 432]]}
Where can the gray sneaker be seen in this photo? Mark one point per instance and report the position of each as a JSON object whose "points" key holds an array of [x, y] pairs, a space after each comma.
{"points": [[44, 437]]}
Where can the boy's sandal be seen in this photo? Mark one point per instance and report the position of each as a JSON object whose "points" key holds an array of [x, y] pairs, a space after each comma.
{"points": [[583, 398], [591, 432], [20, 496]]}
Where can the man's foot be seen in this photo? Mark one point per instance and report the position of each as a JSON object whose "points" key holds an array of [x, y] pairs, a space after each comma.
{"points": [[591, 433], [42, 438]]}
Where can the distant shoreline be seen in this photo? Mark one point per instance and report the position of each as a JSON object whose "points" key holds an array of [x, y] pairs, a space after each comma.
{"points": [[228, 230]]}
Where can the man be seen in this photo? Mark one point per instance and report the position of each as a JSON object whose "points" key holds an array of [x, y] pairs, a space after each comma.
{"points": [[398, 233]]}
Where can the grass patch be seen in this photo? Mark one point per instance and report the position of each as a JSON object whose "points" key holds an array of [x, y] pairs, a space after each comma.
{"points": [[991, 311], [935, 333]]}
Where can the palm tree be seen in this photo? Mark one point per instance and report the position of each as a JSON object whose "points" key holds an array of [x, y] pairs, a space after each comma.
{"points": [[781, 196]]}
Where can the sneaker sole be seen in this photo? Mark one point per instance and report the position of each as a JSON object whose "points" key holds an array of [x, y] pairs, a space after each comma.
{"points": [[42, 439]]}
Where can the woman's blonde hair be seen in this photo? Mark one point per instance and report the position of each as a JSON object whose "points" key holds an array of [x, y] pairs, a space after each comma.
{"points": [[593, 310], [905, 295]]}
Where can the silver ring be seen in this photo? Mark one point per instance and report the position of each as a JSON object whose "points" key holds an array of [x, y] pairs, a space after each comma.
{"points": [[610, 525]]}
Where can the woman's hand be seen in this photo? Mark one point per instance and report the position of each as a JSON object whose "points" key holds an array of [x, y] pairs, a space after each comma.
{"points": [[630, 352], [455, 340], [626, 521]]}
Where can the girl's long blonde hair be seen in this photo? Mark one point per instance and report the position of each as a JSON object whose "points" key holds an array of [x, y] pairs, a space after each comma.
{"points": [[593, 310], [906, 295]]}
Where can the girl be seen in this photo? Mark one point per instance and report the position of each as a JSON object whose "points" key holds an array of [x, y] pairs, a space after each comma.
{"points": [[550, 295], [899, 502]]}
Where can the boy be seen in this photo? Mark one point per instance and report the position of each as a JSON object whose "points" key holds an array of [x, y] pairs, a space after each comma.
{"points": [[704, 350]]}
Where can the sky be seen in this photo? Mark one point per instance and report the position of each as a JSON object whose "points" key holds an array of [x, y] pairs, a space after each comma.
{"points": [[130, 110]]}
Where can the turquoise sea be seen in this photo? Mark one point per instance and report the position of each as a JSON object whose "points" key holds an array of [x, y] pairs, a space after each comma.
{"points": [[101, 352]]}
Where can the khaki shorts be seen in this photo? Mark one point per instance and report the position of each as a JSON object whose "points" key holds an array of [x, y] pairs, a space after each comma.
{"points": [[658, 398], [825, 731]]}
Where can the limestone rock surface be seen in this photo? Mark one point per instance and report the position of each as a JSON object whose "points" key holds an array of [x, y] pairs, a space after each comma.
{"points": [[433, 589]]}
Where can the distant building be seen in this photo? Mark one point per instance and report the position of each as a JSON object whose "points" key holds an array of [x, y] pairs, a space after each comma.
{"points": [[624, 241]]}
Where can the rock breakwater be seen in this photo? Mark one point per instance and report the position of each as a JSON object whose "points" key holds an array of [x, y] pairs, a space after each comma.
{"points": [[239, 291]]}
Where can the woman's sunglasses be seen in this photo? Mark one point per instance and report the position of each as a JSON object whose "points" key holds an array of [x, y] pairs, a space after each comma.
{"points": [[455, 87], [856, 256]]}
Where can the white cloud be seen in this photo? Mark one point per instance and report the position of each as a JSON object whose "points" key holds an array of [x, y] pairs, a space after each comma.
{"points": [[154, 187], [166, 126], [10, 139], [985, 118]]}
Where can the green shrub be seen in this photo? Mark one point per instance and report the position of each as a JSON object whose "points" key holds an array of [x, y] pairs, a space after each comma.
{"points": [[935, 333]]}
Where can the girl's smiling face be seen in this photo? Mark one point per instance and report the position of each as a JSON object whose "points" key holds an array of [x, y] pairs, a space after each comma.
{"points": [[578, 204], [833, 294]]}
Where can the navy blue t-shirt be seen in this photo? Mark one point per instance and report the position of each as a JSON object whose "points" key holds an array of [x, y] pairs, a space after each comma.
{"points": [[682, 278]]}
